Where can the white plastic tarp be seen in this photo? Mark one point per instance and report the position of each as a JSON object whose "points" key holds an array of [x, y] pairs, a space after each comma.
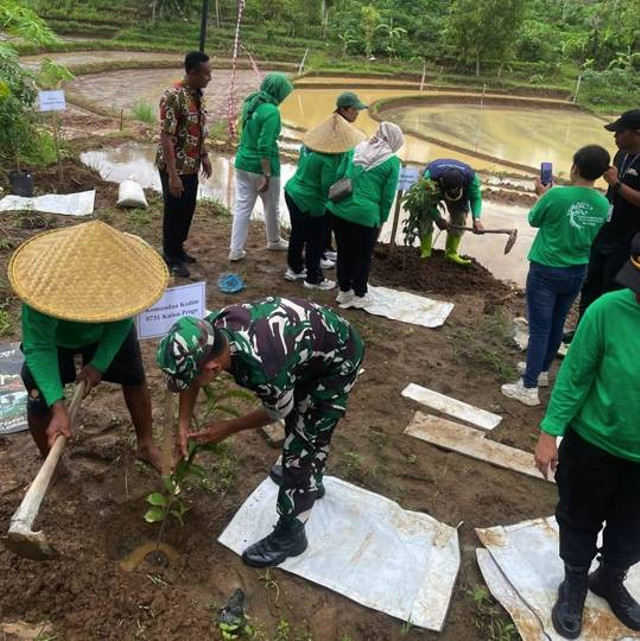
{"points": [[365, 547], [527, 555], [78, 204], [408, 308]]}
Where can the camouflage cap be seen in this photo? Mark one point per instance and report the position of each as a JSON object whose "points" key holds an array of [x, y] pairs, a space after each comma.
{"points": [[184, 350]]}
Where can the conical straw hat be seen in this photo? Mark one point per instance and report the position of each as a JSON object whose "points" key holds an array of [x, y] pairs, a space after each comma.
{"points": [[333, 136], [90, 273]]}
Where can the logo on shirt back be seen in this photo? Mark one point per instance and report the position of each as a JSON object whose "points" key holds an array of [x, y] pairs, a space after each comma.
{"points": [[581, 215]]}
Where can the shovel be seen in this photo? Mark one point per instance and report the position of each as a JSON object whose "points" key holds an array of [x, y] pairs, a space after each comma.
{"points": [[512, 233], [21, 539]]}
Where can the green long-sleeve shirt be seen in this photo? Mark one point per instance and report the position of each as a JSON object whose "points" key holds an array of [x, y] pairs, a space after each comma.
{"points": [[373, 192], [316, 172], [597, 391], [568, 219], [42, 335], [474, 195], [260, 140]]}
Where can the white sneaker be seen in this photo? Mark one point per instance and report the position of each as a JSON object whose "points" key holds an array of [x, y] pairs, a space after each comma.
{"points": [[324, 285], [543, 379], [280, 245], [343, 297], [517, 391], [331, 256], [237, 254], [291, 275], [358, 302], [325, 263]]}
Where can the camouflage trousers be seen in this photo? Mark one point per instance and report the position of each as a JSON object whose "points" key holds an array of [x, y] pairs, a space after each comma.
{"points": [[319, 405]]}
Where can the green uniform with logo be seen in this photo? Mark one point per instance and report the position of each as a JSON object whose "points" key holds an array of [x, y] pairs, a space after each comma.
{"points": [[301, 360]]}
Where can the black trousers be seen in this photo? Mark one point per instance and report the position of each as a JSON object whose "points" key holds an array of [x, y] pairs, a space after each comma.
{"points": [[606, 259], [178, 214], [596, 487], [355, 245], [307, 235], [328, 236]]}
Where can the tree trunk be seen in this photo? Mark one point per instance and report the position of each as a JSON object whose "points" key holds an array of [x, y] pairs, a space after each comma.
{"points": [[478, 64]]}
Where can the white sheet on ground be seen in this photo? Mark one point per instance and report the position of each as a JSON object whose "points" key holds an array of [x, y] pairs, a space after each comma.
{"points": [[365, 547], [408, 308], [451, 406], [78, 204], [527, 555]]}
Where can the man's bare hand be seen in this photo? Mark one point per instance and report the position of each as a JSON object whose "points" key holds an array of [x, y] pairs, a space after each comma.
{"points": [[60, 423], [478, 227], [206, 167], [540, 188], [612, 175], [213, 433], [175, 185], [546, 454], [91, 378], [263, 185]]}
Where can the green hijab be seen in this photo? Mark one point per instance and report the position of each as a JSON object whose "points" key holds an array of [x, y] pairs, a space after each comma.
{"points": [[274, 89]]}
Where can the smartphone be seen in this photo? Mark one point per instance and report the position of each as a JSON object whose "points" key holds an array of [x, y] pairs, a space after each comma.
{"points": [[546, 173]]}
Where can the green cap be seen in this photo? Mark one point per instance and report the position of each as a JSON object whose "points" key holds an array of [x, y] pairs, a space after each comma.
{"points": [[349, 99], [184, 350]]}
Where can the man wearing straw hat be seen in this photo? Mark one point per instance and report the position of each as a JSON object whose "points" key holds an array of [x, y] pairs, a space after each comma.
{"points": [[301, 360], [80, 287], [324, 148]]}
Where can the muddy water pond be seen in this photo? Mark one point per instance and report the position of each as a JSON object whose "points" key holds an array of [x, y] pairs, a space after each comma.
{"points": [[523, 135], [136, 161]]}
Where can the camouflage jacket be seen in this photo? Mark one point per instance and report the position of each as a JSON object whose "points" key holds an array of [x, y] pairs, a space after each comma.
{"points": [[278, 343]]}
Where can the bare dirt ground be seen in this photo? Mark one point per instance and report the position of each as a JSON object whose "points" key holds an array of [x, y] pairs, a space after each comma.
{"points": [[94, 517]]}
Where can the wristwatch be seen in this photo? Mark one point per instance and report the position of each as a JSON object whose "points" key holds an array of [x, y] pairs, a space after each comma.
{"points": [[616, 185]]}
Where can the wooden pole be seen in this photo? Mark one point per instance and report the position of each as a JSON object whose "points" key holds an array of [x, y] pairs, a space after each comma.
{"points": [[396, 217], [424, 73], [167, 433], [56, 143], [304, 59], [203, 24]]}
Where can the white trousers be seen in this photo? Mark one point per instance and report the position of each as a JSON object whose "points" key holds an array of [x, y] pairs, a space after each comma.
{"points": [[246, 195]]}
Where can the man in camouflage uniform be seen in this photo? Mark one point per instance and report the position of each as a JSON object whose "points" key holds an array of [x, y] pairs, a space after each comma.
{"points": [[301, 360]]}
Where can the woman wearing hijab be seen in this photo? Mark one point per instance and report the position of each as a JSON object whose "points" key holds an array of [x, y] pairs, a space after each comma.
{"points": [[258, 164], [323, 150], [358, 217]]}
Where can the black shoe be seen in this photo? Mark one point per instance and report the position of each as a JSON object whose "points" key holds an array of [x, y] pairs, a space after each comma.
{"points": [[187, 258], [287, 539], [566, 614], [275, 473], [179, 270], [608, 583]]}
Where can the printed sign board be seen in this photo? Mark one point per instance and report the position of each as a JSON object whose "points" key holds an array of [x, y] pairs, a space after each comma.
{"points": [[13, 395], [187, 300], [408, 177], [51, 100]]}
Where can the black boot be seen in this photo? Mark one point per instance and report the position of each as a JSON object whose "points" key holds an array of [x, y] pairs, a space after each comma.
{"points": [[287, 539], [567, 611], [275, 473], [608, 583]]}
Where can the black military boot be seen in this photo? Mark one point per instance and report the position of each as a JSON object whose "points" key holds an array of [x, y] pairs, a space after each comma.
{"points": [[275, 473], [287, 539], [608, 583], [566, 614]]}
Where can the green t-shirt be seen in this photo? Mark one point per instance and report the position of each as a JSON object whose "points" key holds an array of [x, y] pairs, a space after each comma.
{"points": [[597, 391], [260, 140], [373, 192], [569, 219], [42, 335], [314, 176]]}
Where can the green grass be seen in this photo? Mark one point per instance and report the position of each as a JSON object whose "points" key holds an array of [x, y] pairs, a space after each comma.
{"points": [[144, 112], [6, 323]]}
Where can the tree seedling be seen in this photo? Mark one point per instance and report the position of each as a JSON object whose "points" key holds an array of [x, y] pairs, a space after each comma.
{"points": [[419, 201]]}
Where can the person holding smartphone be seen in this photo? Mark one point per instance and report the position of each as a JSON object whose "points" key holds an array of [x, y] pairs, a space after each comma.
{"points": [[567, 219]]}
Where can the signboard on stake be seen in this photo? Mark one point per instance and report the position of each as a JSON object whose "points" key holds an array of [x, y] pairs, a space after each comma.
{"points": [[51, 100], [13, 395], [408, 177], [187, 300]]}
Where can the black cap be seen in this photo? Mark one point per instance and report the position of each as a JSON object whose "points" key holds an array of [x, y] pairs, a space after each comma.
{"points": [[628, 120], [629, 275]]}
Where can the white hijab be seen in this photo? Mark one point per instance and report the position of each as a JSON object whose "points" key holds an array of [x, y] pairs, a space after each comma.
{"points": [[385, 142]]}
